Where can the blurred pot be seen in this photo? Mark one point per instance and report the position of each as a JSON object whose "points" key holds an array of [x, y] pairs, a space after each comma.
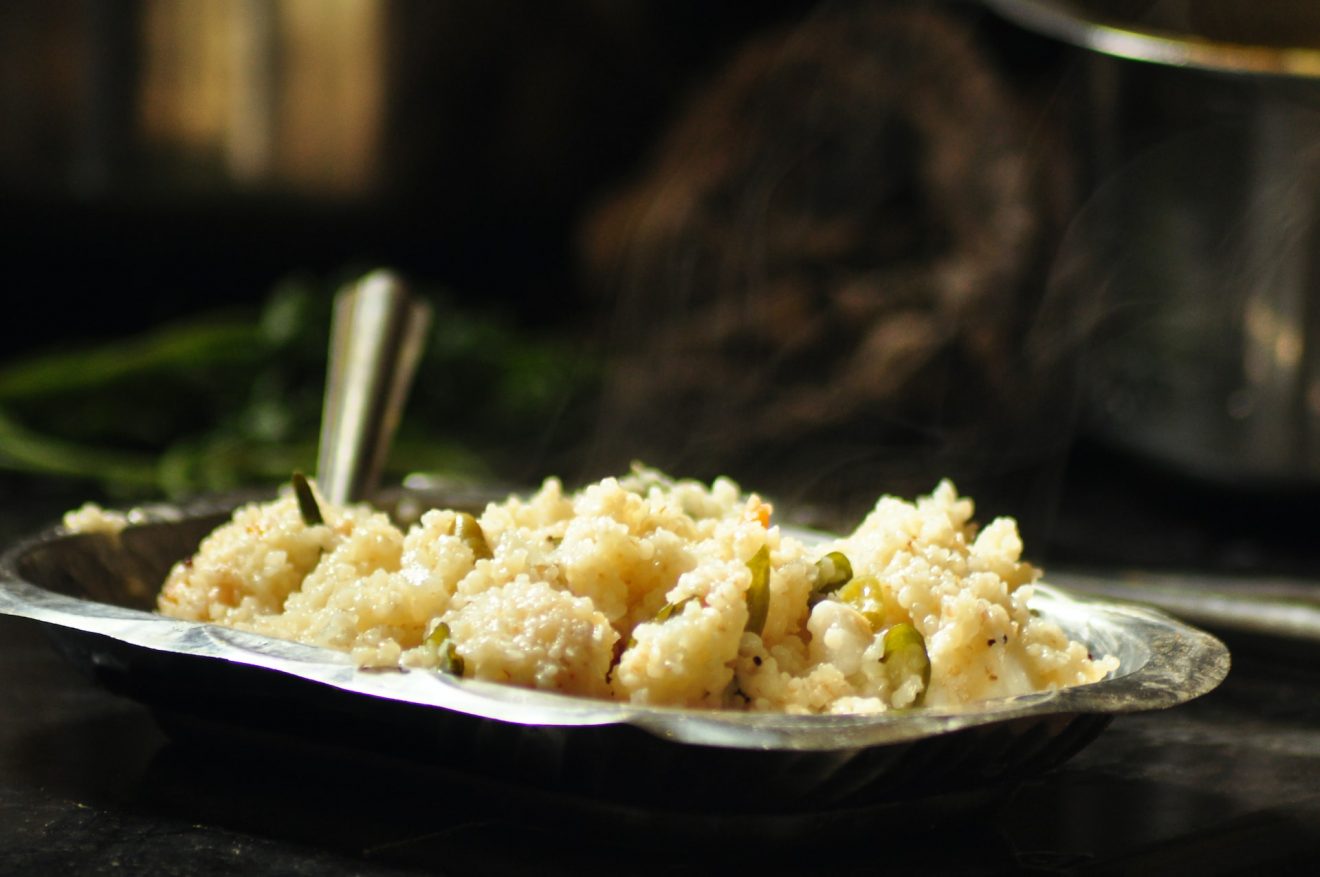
{"points": [[1192, 266]]}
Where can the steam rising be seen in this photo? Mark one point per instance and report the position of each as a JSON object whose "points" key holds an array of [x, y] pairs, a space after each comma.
{"points": [[825, 281]]}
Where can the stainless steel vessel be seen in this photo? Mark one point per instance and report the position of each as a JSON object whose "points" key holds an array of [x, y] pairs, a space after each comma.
{"points": [[1191, 268]]}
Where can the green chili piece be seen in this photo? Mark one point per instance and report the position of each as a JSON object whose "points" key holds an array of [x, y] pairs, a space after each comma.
{"points": [[670, 608], [833, 571], [666, 612], [450, 661], [307, 507], [758, 593], [905, 655], [867, 596], [467, 529]]}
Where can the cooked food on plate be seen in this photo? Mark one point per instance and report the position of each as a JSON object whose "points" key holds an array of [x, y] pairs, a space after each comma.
{"points": [[648, 590]]}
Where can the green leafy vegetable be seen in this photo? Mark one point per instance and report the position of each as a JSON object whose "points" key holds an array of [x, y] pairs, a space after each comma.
{"points": [[232, 398]]}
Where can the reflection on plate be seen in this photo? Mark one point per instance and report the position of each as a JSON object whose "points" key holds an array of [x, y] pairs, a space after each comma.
{"points": [[94, 592]]}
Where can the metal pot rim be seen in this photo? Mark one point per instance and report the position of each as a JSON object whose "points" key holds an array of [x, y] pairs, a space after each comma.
{"points": [[1066, 21]]}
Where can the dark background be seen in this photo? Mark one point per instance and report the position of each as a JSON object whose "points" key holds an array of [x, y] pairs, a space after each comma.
{"points": [[502, 135], [501, 124], [503, 132]]}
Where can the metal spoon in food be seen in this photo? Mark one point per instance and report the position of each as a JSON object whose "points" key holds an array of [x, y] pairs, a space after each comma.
{"points": [[376, 342]]}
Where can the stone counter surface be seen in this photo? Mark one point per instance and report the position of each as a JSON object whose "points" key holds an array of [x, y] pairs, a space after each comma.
{"points": [[90, 785]]}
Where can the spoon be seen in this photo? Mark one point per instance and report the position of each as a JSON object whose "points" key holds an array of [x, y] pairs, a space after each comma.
{"points": [[376, 342]]}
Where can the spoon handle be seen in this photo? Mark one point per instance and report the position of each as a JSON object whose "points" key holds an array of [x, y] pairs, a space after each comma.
{"points": [[376, 341]]}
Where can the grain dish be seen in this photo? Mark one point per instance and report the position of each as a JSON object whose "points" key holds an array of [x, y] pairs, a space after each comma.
{"points": [[652, 591]]}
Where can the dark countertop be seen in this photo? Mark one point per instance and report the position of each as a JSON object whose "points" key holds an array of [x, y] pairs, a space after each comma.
{"points": [[89, 782]]}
